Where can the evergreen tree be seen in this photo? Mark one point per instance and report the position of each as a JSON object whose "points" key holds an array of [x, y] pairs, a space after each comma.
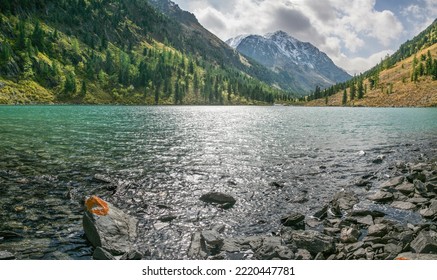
{"points": [[83, 90], [360, 90], [434, 69], [21, 41], [70, 83], [38, 37], [344, 100], [5, 52], [352, 92]]}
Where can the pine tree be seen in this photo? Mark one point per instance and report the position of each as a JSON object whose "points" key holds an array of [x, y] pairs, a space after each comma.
{"points": [[344, 100], [352, 92], [83, 90], [70, 83], [360, 89], [38, 37], [21, 41]]}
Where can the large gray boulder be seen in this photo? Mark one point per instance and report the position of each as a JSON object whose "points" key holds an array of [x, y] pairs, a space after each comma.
{"points": [[108, 227]]}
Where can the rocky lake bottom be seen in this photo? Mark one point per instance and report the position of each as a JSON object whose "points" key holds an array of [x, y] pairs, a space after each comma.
{"points": [[264, 189]]}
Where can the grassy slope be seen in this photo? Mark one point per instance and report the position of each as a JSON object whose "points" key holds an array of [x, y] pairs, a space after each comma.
{"points": [[18, 87], [405, 93]]}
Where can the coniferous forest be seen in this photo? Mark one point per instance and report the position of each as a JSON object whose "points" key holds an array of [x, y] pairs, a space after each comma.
{"points": [[122, 52]]}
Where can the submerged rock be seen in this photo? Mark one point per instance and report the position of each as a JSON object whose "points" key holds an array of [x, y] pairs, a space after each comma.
{"points": [[108, 227], [223, 199]]}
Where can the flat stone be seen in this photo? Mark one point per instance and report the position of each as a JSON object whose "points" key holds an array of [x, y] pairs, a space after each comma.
{"points": [[366, 220], [349, 235], [160, 225], [417, 200], [212, 238], [218, 198], [413, 256], [381, 196], [425, 243], [5, 255], [403, 205], [405, 188], [419, 167], [377, 230], [393, 182], [431, 211], [313, 241]]}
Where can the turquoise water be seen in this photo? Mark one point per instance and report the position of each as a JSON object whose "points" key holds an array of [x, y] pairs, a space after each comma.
{"points": [[169, 156]]}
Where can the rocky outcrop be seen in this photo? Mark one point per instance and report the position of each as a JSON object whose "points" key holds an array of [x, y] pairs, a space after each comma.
{"points": [[108, 227]]}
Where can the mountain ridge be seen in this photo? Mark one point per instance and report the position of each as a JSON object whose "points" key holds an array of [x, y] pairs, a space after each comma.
{"points": [[304, 64], [120, 51]]}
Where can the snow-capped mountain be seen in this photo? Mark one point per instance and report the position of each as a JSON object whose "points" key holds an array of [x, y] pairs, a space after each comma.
{"points": [[304, 64]]}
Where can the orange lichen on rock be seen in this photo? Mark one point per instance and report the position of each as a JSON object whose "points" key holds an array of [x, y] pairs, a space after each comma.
{"points": [[97, 206], [402, 259]]}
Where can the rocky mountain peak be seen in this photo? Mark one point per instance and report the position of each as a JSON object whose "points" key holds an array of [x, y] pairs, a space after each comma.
{"points": [[304, 64]]}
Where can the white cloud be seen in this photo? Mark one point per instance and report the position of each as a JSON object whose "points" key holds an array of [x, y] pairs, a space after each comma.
{"points": [[420, 15], [357, 65], [337, 27]]}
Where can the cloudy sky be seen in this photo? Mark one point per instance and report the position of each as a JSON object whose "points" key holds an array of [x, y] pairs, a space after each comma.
{"points": [[354, 33]]}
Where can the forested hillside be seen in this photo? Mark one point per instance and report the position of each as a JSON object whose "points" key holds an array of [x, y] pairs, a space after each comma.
{"points": [[406, 78], [125, 51]]}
